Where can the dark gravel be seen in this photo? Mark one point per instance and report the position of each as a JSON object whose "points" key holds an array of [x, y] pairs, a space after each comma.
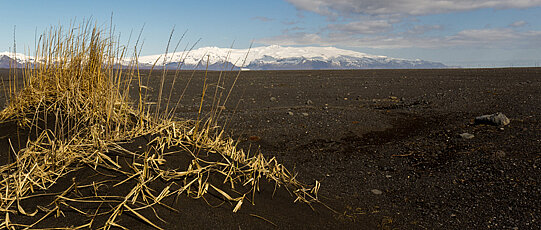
{"points": [[385, 144]]}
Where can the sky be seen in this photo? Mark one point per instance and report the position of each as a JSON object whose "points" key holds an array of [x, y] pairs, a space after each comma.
{"points": [[466, 33]]}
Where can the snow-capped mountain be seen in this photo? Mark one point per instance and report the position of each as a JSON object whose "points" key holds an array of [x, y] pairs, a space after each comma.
{"points": [[271, 58], [8, 59], [283, 58]]}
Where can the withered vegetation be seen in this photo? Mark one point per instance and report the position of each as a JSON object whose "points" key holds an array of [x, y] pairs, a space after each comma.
{"points": [[74, 104]]}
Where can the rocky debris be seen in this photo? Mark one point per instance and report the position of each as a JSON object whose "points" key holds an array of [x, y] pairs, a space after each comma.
{"points": [[499, 154], [273, 99], [376, 191], [305, 114], [290, 113], [467, 135], [498, 119]]}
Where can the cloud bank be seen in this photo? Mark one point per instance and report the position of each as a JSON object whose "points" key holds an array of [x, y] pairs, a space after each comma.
{"points": [[380, 24], [406, 7]]}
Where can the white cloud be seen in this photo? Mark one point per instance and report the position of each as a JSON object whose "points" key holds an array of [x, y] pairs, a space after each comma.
{"points": [[484, 38], [405, 7], [485, 35], [372, 24], [421, 29], [362, 27], [263, 19], [518, 24]]}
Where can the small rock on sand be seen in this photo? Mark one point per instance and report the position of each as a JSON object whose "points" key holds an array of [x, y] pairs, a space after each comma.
{"points": [[273, 99], [290, 113], [309, 102], [499, 154], [498, 119], [376, 191], [467, 135]]}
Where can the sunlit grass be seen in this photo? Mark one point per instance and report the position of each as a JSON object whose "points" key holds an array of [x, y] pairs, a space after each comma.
{"points": [[75, 106]]}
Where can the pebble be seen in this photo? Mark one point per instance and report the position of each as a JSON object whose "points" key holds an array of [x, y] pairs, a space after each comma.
{"points": [[467, 135], [305, 114], [309, 102], [273, 99], [499, 154], [376, 191], [290, 113], [498, 119]]}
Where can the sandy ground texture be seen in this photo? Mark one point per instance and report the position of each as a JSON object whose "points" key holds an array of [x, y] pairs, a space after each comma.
{"points": [[393, 149]]}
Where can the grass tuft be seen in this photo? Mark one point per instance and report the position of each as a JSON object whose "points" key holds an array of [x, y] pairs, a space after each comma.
{"points": [[74, 104]]}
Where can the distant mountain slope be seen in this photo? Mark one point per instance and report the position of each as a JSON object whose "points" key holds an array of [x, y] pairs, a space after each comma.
{"points": [[289, 58], [275, 58]]}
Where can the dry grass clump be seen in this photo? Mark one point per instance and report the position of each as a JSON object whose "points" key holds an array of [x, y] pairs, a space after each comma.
{"points": [[74, 104]]}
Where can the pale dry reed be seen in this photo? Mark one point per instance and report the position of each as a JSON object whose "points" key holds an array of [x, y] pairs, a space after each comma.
{"points": [[74, 103]]}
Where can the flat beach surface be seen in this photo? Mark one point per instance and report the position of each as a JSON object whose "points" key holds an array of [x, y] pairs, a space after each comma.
{"points": [[386, 146]]}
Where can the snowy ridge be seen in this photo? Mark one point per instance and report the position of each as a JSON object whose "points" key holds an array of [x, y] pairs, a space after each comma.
{"points": [[19, 57], [237, 56], [278, 57], [266, 58], [7, 57]]}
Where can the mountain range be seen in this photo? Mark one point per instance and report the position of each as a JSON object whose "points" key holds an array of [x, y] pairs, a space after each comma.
{"points": [[266, 58]]}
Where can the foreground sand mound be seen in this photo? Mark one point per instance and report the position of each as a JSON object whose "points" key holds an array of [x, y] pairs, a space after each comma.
{"points": [[81, 147]]}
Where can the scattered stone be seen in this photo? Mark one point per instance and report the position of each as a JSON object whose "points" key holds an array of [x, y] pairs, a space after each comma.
{"points": [[305, 114], [309, 102], [498, 119], [273, 99], [499, 154], [376, 191], [467, 135], [254, 138], [290, 113]]}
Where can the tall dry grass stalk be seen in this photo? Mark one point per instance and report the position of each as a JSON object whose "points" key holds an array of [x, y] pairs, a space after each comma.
{"points": [[74, 103]]}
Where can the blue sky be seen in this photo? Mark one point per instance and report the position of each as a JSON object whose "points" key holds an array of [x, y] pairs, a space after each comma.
{"points": [[468, 33]]}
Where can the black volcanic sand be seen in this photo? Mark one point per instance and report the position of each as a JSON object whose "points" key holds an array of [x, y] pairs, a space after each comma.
{"points": [[385, 145]]}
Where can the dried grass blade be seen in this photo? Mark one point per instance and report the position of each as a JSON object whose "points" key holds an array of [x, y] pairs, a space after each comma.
{"points": [[141, 217]]}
